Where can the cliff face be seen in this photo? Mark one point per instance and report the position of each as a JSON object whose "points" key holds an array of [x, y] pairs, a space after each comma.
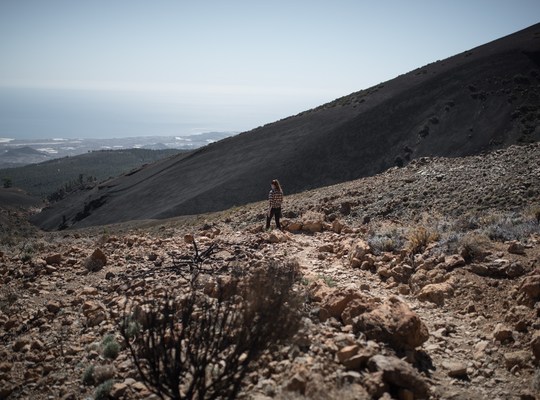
{"points": [[480, 100]]}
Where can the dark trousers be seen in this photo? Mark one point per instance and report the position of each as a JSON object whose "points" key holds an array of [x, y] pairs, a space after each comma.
{"points": [[274, 212]]}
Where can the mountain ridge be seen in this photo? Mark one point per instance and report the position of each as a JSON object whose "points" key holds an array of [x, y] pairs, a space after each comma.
{"points": [[480, 100]]}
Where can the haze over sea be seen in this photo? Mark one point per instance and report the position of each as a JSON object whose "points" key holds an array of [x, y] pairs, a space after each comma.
{"points": [[106, 69]]}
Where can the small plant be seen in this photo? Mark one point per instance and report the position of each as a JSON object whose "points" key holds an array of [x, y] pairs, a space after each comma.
{"points": [[88, 376], [511, 227], [111, 348], [388, 238], [328, 280], [474, 247], [103, 390], [8, 297], [419, 238], [200, 346]]}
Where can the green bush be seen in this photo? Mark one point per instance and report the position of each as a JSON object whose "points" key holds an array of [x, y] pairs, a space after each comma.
{"points": [[88, 376], [111, 348], [103, 390]]}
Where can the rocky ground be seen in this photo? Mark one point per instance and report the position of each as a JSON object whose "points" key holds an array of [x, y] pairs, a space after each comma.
{"points": [[422, 282]]}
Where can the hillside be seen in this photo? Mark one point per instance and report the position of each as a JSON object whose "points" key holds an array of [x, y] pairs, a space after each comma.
{"points": [[43, 179], [480, 100], [420, 282]]}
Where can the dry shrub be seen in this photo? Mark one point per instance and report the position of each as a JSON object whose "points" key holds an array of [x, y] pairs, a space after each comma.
{"points": [[196, 346], [419, 238], [386, 238], [474, 247]]}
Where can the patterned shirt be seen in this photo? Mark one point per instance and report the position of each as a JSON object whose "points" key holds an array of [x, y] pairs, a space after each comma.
{"points": [[275, 198]]}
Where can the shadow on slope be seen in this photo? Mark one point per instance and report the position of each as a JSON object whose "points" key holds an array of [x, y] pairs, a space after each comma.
{"points": [[476, 101]]}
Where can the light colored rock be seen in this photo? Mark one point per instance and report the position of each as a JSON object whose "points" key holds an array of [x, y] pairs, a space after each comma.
{"points": [[516, 358], [393, 322], [89, 291], [529, 290], [347, 352], [358, 253], [312, 226], [335, 303], [118, 390], [436, 292], [455, 369]]}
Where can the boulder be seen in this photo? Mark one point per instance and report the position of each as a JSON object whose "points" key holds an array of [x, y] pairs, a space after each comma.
{"points": [[436, 292], [392, 322], [355, 308], [335, 303], [358, 253], [515, 247], [518, 359], [294, 227], [337, 226], [529, 290], [502, 333], [312, 226], [398, 375], [54, 259], [96, 261], [277, 237], [455, 369]]}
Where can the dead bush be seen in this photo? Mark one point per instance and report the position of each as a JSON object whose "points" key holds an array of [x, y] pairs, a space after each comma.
{"points": [[196, 346], [474, 247], [418, 239]]}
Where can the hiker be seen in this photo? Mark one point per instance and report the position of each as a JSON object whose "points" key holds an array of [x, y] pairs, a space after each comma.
{"points": [[275, 198]]}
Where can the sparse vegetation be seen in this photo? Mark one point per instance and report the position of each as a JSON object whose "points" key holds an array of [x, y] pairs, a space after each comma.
{"points": [[419, 238], [387, 238], [58, 177], [103, 390], [195, 346], [474, 247], [111, 347], [506, 227], [88, 376]]}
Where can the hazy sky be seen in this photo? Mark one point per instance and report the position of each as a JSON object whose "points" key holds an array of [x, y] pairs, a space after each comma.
{"points": [[112, 68]]}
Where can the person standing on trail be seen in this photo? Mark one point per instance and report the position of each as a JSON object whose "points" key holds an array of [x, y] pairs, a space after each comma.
{"points": [[275, 198]]}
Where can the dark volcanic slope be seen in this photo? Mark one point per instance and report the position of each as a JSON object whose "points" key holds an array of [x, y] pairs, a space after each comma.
{"points": [[479, 100]]}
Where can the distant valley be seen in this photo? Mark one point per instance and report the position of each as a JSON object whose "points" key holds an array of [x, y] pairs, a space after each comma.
{"points": [[19, 152]]}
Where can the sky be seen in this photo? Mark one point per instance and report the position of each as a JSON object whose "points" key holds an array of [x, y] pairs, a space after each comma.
{"points": [[118, 68]]}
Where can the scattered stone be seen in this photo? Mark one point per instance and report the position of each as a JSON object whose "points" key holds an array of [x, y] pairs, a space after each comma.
{"points": [[516, 247], [53, 306], [347, 352], [118, 390], [529, 291], [516, 358], [54, 259], [393, 322], [436, 293], [535, 346], [455, 369], [400, 374], [502, 333], [96, 261], [335, 303], [358, 253]]}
